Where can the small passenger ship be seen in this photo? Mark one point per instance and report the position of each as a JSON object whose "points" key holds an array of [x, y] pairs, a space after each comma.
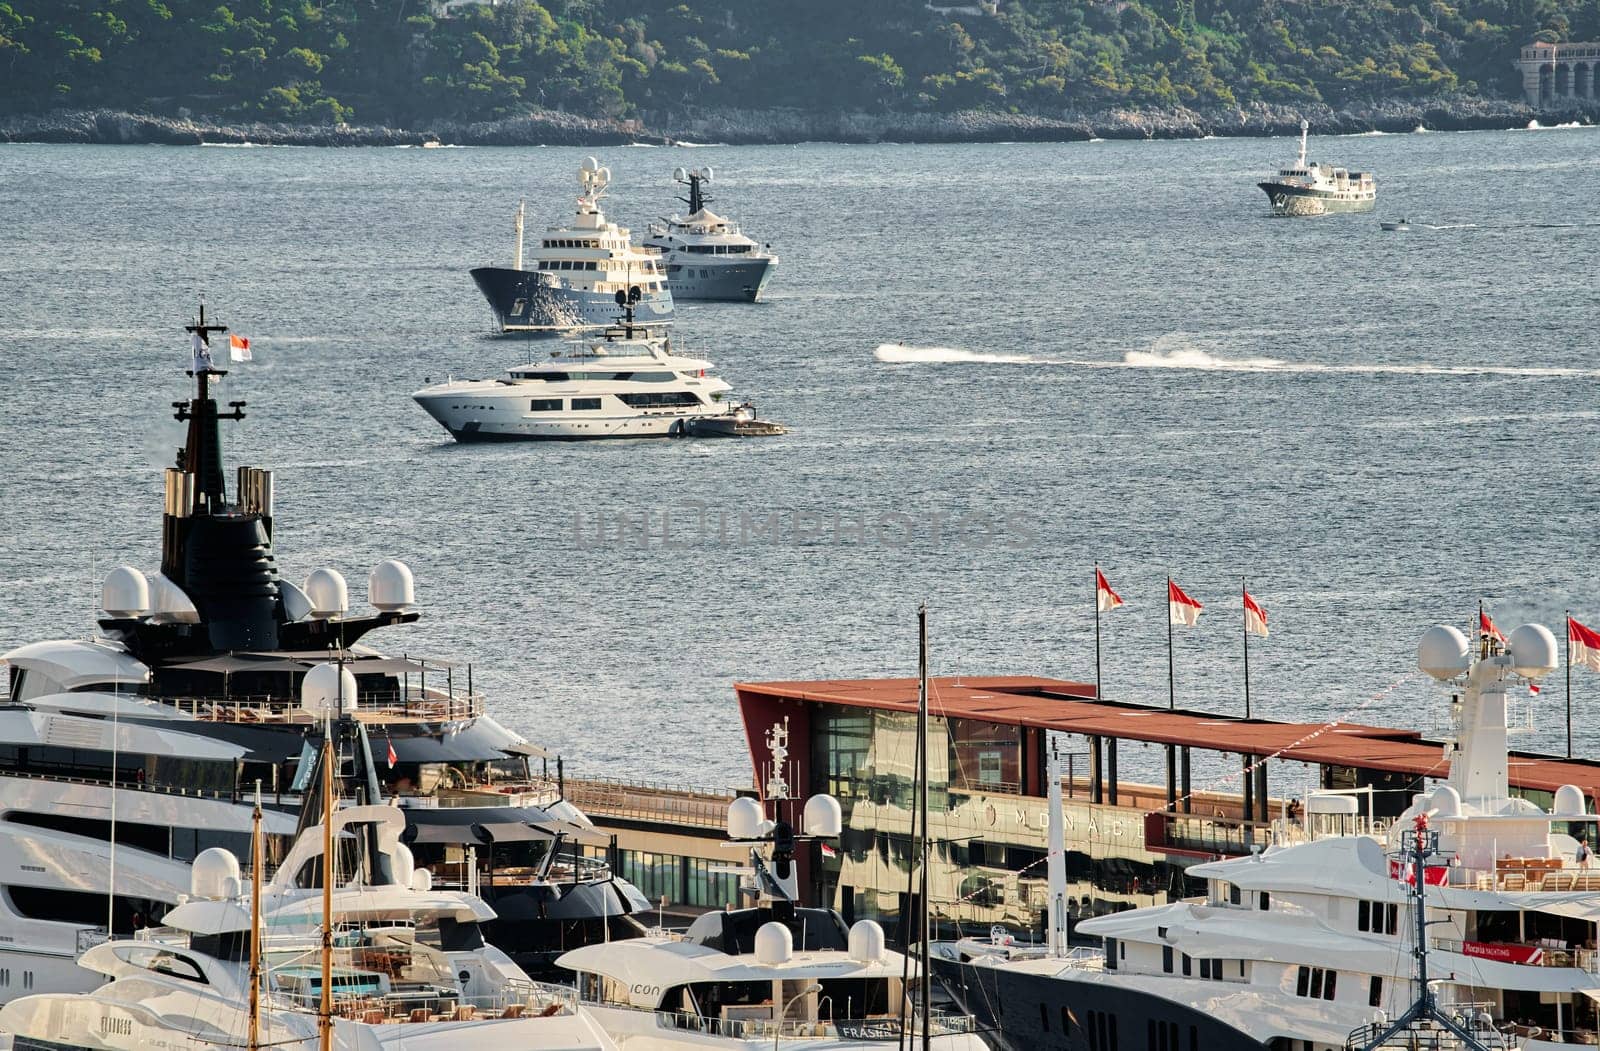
{"points": [[577, 271], [1311, 189], [627, 384], [706, 255], [1304, 947]]}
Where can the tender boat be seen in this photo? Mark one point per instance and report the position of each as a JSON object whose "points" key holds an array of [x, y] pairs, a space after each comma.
{"points": [[1306, 943], [577, 271], [1397, 224], [706, 255], [629, 383], [1306, 189]]}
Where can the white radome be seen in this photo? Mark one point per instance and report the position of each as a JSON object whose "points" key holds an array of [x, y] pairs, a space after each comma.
{"points": [[329, 594], [391, 587], [867, 942], [745, 818], [1443, 652], [1569, 802], [774, 944], [215, 871], [126, 593], [328, 689], [1533, 651], [822, 816]]}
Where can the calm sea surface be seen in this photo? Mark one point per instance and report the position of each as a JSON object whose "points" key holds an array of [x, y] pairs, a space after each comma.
{"points": [[1112, 354]]}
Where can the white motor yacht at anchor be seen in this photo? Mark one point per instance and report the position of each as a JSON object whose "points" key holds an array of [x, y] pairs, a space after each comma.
{"points": [[124, 757], [576, 271], [1313, 189], [772, 976], [252, 964], [1305, 945], [629, 383], [706, 255]]}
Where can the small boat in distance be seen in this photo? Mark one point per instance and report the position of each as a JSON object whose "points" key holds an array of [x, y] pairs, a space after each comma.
{"points": [[1305, 189], [577, 270], [627, 384], [706, 255], [1396, 224]]}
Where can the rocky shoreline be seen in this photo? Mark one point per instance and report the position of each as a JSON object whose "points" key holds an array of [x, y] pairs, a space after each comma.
{"points": [[753, 127]]}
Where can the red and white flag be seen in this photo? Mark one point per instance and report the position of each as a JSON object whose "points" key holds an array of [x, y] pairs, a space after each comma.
{"points": [[239, 348], [828, 852], [1181, 609], [1104, 598], [1486, 628], [392, 756], [1255, 618], [1584, 644], [1533, 688]]}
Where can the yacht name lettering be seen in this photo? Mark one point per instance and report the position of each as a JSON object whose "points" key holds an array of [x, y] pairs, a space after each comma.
{"points": [[694, 523], [645, 990]]}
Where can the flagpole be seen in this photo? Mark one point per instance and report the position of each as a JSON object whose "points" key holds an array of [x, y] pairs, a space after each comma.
{"points": [[1172, 689], [1098, 694], [1569, 684], [1244, 610]]}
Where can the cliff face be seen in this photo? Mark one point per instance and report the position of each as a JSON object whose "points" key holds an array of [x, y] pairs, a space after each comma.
{"points": [[737, 127]]}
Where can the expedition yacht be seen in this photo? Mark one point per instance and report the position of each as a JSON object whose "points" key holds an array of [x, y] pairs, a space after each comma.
{"points": [[706, 255], [577, 271], [1312, 189], [629, 383], [340, 948], [127, 755], [1304, 947]]}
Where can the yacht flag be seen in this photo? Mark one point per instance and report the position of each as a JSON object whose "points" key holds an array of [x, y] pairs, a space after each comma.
{"points": [[239, 348], [201, 350], [392, 756], [1182, 609], [1486, 627]]}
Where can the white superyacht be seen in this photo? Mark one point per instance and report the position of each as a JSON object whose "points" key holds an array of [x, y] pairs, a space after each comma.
{"points": [[706, 255], [1305, 947], [629, 383]]}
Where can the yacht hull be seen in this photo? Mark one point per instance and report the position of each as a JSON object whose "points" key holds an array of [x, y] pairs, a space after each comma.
{"points": [[531, 303], [723, 282], [477, 422], [1289, 199], [1023, 1011]]}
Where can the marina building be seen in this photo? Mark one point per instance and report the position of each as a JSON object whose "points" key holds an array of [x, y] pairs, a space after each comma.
{"points": [[1558, 75]]}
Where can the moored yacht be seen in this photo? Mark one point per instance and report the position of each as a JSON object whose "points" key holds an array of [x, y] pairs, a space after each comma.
{"points": [[257, 963], [1306, 946], [577, 271], [1305, 189], [629, 383], [126, 756], [707, 256]]}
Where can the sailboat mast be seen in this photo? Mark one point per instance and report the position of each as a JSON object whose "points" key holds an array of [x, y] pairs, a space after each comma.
{"points": [[923, 911], [325, 1008], [255, 923]]}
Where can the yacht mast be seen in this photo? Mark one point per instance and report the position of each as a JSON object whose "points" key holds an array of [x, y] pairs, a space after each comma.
{"points": [[1056, 859], [325, 1008], [1305, 127], [924, 927], [522, 215], [255, 923]]}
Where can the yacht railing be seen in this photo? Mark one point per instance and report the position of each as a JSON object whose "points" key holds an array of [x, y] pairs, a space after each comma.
{"points": [[517, 999], [651, 801], [881, 1027], [380, 706]]}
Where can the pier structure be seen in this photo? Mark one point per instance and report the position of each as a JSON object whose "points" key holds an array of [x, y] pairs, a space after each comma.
{"points": [[1558, 75]]}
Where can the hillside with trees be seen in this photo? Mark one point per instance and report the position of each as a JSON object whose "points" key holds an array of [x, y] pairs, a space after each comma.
{"points": [[404, 63]]}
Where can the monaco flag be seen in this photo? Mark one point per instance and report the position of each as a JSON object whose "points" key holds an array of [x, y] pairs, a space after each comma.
{"points": [[1584, 645], [1181, 609], [239, 348], [1255, 618], [1486, 628], [1104, 598]]}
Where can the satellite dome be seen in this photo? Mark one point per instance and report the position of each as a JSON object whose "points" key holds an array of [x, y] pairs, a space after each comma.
{"points": [[421, 881], [210, 873], [405, 865], [328, 689], [1442, 653], [296, 603], [679, 175], [744, 818], [605, 174], [866, 942], [1533, 651], [391, 587], [589, 165], [774, 943], [706, 173], [1446, 802], [1569, 802], [126, 593], [329, 594], [822, 816]]}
